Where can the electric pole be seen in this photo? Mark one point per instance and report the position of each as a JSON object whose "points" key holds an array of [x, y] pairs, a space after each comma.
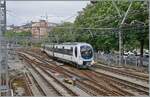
{"points": [[120, 34], [120, 27], [4, 88]]}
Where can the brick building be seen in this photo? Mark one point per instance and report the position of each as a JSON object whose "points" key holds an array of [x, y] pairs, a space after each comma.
{"points": [[39, 29]]}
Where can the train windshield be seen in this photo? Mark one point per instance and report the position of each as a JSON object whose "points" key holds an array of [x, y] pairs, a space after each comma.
{"points": [[86, 52]]}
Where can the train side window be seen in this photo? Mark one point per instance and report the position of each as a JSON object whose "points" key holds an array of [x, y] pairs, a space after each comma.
{"points": [[71, 51], [71, 48], [76, 51]]}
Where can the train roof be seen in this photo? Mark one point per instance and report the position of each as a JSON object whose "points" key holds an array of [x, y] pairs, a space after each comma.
{"points": [[73, 43], [69, 43]]}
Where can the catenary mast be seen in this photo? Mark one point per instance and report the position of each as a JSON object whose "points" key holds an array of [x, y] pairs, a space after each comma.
{"points": [[3, 51]]}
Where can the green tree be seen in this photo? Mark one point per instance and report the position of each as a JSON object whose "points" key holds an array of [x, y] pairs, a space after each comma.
{"points": [[103, 14], [62, 33]]}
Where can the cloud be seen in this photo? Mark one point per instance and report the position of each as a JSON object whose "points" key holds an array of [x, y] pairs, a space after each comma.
{"points": [[56, 11]]}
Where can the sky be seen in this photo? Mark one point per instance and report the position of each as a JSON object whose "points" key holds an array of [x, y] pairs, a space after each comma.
{"points": [[22, 12]]}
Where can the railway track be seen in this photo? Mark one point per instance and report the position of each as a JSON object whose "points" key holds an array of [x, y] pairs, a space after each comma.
{"points": [[113, 92], [93, 88], [66, 88], [85, 85], [107, 83], [124, 72], [37, 85], [25, 84], [131, 85], [88, 87], [60, 93], [128, 73], [44, 80], [109, 78], [91, 76]]}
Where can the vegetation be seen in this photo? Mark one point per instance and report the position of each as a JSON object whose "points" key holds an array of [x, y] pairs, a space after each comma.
{"points": [[100, 15], [21, 35], [62, 33], [11, 34], [103, 14]]}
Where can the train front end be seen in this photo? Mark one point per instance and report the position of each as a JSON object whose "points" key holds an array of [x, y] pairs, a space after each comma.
{"points": [[86, 55]]}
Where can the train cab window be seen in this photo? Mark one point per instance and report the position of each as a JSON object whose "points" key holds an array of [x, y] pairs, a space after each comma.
{"points": [[76, 51], [86, 52]]}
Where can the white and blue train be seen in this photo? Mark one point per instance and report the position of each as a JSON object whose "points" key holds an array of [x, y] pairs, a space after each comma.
{"points": [[79, 54]]}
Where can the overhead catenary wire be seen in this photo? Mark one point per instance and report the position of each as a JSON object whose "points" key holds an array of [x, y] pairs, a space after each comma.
{"points": [[70, 27], [87, 28], [91, 28]]}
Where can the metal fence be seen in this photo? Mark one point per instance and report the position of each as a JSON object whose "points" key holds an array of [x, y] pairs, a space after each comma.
{"points": [[113, 59]]}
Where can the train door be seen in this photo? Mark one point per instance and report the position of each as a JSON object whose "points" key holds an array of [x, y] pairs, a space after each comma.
{"points": [[77, 59], [75, 54]]}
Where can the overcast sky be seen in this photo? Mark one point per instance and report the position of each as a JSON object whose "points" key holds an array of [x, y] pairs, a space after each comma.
{"points": [[19, 13]]}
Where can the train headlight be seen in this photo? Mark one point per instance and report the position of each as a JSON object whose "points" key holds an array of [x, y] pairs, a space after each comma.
{"points": [[80, 61], [93, 62]]}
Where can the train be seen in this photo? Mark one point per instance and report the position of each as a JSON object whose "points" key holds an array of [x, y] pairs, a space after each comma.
{"points": [[81, 55]]}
